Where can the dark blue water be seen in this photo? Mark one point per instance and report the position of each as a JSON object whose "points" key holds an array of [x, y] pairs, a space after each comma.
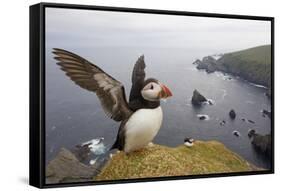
{"points": [[74, 115]]}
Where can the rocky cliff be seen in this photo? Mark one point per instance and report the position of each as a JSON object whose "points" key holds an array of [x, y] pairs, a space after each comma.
{"points": [[253, 64]]}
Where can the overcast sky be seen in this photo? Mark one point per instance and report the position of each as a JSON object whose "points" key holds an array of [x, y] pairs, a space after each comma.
{"points": [[88, 28]]}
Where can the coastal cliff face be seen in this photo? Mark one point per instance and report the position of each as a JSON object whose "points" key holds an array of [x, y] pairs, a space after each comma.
{"points": [[252, 64], [158, 161]]}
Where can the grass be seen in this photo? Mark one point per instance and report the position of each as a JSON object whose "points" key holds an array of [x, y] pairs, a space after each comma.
{"points": [[158, 161], [253, 64], [257, 55]]}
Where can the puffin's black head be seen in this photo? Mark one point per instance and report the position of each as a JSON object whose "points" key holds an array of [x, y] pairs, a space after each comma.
{"points": [[189, 140], [153, 90]]}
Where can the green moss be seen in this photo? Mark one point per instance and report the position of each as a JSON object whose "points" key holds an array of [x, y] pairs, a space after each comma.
{"points": [[158, 161]]}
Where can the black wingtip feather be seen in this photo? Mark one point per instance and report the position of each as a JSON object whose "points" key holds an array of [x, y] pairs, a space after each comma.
{"points": [[58, 51]]}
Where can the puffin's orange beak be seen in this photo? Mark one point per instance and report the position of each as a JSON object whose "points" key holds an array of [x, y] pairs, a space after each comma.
{"points": [[165, 92]]}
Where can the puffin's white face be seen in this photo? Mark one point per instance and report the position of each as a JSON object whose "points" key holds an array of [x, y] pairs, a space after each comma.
{"points": [[155, 91]]}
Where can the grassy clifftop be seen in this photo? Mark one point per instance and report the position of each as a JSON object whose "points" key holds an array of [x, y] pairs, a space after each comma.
{"points": [[202, 158], [257, 55], [252, 64]]}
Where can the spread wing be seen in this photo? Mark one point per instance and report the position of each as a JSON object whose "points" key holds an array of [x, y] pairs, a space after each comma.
{"points": [[138, 77], [110, 92]]}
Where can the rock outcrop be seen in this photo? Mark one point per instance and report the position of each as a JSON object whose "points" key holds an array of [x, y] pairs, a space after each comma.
{"points": [[246, 64], [208, 63], [202, 117], [261, 143], [267, 113], [65, 167], [197, 98], [232, 114]]}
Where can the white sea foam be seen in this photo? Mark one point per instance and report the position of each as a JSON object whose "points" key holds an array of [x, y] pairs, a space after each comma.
{"points": [[217, 56], [203, 115], [258, 85], [224, 76], [96, 146], [211, 101], [93, 161], [219, 74], [208, 102]]}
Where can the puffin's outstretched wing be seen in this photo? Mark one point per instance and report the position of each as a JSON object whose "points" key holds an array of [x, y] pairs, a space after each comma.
{"points": [[138, 77], [110, 92]]}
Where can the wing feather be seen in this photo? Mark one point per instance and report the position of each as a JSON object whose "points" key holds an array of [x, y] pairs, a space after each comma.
{"points": [[110, 92], [138, 76]]}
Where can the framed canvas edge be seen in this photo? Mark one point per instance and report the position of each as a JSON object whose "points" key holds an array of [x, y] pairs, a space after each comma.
{"points": [[35, 98], [38, 88]]}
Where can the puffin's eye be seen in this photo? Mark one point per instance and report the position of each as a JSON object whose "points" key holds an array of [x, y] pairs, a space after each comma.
{"points": [[151, 87]]}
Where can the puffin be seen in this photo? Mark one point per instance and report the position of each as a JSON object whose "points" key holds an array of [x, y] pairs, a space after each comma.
{"points": [[188, 142], [141, 118]]}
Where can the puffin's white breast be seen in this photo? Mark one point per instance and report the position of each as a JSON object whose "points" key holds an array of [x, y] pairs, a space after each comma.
{"points": [[142, 127]]}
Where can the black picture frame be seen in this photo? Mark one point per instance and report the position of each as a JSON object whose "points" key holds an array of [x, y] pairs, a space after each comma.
{"points": [[37, 91]]}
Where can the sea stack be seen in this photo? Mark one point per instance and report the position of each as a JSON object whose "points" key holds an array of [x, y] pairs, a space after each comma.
{"points": [[236, 133], [232, 114], [197, 98]]}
